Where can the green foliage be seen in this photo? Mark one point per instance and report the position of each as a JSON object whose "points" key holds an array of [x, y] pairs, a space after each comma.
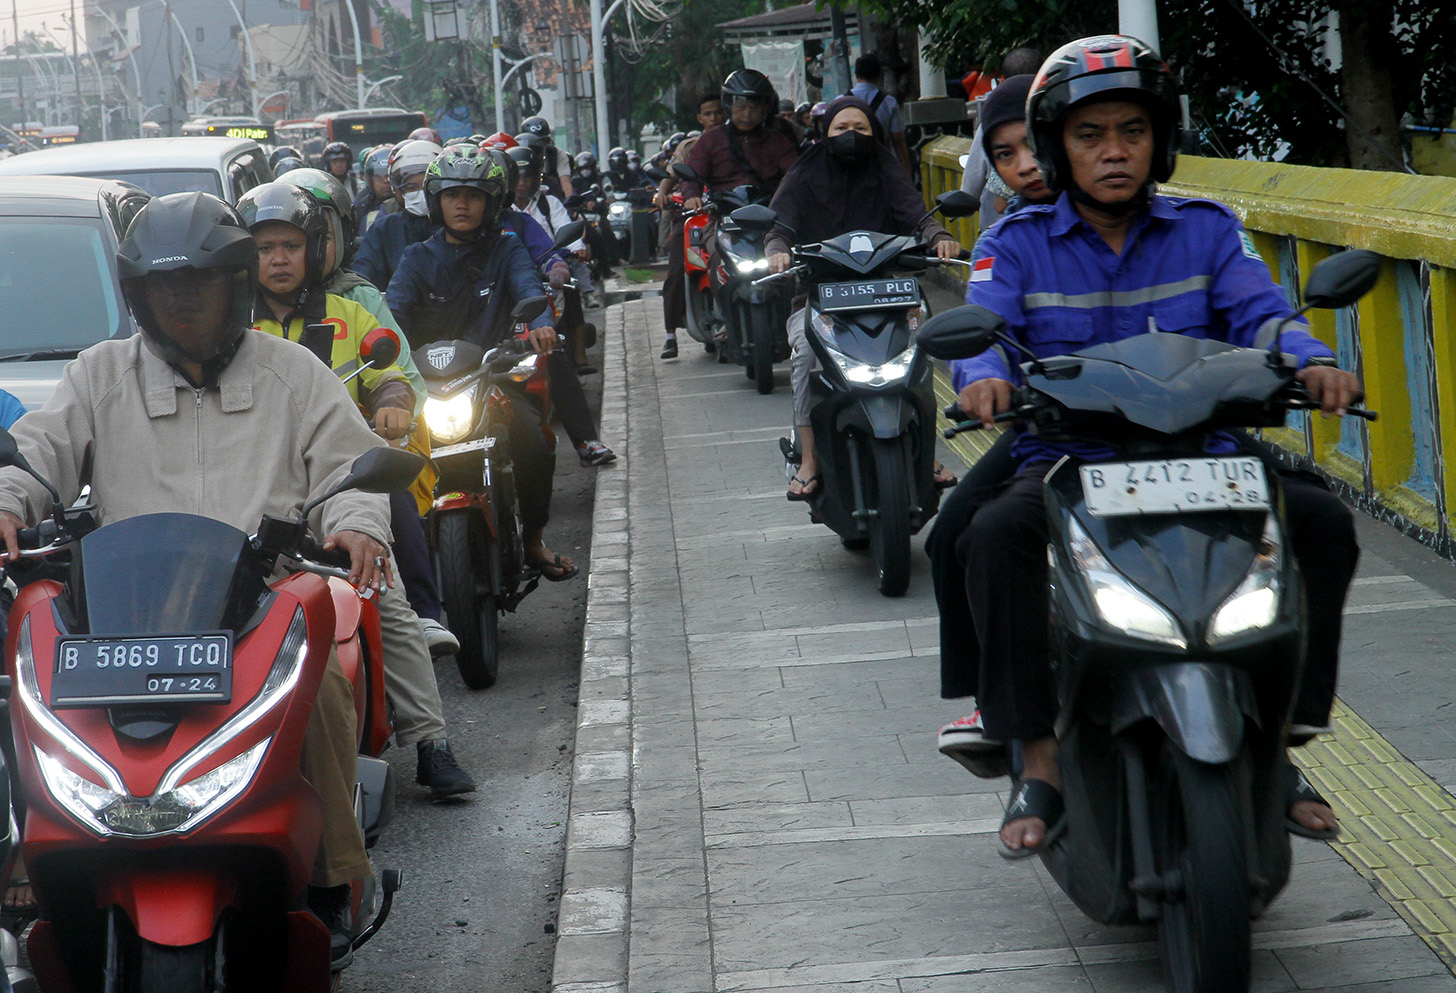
{"points": [[1245, 99]]}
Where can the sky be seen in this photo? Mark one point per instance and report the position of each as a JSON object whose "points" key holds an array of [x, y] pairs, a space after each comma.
{"points": [[35, 15]]}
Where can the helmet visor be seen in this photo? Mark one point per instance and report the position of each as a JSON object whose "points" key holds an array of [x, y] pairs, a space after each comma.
{"points": [[191, 308]]}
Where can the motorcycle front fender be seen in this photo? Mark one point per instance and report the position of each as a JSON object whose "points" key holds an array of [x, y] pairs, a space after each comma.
{"points": [[175, 907], [1201, 707], [885, 416]]}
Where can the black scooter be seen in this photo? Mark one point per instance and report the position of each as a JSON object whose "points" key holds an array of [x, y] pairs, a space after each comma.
{"points": [[1177, 626], [874, 419]]}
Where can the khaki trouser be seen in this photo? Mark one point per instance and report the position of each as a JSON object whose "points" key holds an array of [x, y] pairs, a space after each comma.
{"points": [[330, 745], [409, 674]]}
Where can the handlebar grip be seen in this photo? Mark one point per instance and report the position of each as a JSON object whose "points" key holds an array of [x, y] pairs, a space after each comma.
{"points": [[30, 538], [335, 557]]}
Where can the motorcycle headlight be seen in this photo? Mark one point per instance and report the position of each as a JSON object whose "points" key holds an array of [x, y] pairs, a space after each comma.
{"points": [[1255, 602], [174, 810], [892, 372], [745, 265], [619, 209], [450, 420], [1121, 605]]}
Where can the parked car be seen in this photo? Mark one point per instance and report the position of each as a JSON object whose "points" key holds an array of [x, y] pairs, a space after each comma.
{"points": [[225, 167], [59, 291]]}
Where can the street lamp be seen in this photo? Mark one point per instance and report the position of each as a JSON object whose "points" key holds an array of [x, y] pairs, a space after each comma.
{"points": [[599, 68], [96, 68], [374, 86]]}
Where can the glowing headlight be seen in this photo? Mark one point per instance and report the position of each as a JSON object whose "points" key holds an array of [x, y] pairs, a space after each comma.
{"points": [[524, 369], [744, 265], [450, 420], [619, 209], [174, 810], [1122, 606], [893, 371], [1255, 603]]}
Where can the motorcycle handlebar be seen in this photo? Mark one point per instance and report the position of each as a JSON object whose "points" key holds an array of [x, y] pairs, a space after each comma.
{"points": [[792, 271], [335, 558]]}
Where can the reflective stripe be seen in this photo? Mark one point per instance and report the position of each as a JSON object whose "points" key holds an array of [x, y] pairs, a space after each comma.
{"points": [[1115, 298]]}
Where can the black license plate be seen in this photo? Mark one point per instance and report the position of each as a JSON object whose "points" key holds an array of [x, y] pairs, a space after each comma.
{"points": [[869, 294], [110, 672]]}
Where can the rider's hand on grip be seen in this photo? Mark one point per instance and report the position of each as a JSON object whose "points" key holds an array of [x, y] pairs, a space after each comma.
{"points": [[338, 558], [779, 262], [10, 529], [392, 422], [985, 398], [368, 559], [1335, 389]]}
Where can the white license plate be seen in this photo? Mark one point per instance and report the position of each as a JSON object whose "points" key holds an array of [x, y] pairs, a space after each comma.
{"points": [[1175, 486], [478, 445]]}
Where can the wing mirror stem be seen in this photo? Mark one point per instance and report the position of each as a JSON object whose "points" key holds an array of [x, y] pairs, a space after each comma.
{"points": [[1275, 358]]}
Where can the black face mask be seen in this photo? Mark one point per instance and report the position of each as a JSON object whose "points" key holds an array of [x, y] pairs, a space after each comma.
{"points": [[851, 147]]}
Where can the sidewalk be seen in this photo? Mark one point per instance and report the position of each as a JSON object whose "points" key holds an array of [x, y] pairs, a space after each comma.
{"points": [[757, 802]]}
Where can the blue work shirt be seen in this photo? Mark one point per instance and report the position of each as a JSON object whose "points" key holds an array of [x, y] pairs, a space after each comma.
{"points": [[384, 244], [11, 409], [1187, 267]]}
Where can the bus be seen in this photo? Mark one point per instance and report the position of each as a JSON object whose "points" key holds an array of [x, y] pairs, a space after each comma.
{"points": [[229, 127], [308, 136], [362, 129]]}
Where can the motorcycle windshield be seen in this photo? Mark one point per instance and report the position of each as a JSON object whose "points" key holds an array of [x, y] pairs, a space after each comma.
{"points": [[166, 574], [857, 253]]}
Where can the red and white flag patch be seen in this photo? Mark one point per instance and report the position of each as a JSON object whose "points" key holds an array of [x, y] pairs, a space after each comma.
{"points": [[981, 269]]}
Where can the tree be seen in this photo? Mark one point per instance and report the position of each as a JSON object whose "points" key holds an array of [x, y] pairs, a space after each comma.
{"points": [[1254, 69]]}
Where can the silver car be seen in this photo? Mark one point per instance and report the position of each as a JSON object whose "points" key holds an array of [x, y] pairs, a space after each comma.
{"points": [[224, 167], [59, 291]]}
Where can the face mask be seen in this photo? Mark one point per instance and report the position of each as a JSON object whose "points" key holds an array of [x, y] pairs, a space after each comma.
{"points": [[851, 146], [416, 204]]}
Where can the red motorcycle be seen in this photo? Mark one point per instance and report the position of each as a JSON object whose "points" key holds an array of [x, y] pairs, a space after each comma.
{"points": [[703, 322], [162, 690]]}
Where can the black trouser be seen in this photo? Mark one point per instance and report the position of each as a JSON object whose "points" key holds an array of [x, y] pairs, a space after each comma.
{"points": [[412, 555], [533, 454], [674, 289], [1004, 551], [960, 654], [603, 255], [569, 399]]}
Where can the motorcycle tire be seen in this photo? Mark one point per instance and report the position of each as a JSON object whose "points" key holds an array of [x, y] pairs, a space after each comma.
{"points": [[890, 524], [760, 327], [1203, 931], [165, 969], [469, 606]]}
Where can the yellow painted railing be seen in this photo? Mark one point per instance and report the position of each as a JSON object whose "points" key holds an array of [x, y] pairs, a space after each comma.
{"points": [[1401, 338]]}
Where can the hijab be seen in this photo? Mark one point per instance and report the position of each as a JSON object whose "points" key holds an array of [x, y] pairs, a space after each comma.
{"points": [[823, 196]]}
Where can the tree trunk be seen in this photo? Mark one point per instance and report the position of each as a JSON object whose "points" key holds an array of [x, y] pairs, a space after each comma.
{"points": [[1368, 53]]}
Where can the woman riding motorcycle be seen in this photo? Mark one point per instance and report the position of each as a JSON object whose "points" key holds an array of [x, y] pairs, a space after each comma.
{"points": [[848, 182]]}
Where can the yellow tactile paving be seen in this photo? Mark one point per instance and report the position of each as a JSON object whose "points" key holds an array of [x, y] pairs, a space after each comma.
{"points": [[1397, 825]]}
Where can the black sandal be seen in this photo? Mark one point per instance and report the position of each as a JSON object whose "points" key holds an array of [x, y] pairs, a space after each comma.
{"points": [[944, 484], [805, 493], [1034, 798], [563, 571], [1298, 789]]}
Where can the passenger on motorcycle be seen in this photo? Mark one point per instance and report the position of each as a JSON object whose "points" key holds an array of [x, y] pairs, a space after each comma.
{"points": [[199, 414], [849, 182], [742, 152], [557, 171], [336, 159], [1112, 259], [462, 283], [291, 236], [376, 192], [392, 233]]}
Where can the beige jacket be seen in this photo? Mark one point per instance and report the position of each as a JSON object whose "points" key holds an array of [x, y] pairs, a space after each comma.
{"points": [[279, 429]]}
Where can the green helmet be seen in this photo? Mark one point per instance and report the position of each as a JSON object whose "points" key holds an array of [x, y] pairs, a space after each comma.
{"points": [[488, 170], [338, 209]]}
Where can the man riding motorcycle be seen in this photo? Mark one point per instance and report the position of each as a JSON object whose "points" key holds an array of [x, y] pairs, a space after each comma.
{"points": [[674, 287], [336, 159], [557, 173], [1112, 259], [392, 233], [376, 192], [742, 152], [199, 414]]}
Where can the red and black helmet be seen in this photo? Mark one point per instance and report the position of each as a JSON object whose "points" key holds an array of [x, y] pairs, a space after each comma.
{"points": [[1105, 67]]}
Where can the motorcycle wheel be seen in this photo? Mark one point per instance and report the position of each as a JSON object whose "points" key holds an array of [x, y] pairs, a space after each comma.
{"points": [[470, 606], [890, 525], [164, 969], [761, 331], [1198, 841]]}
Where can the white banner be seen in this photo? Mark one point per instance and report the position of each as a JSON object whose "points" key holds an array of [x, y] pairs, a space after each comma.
{"points": [[783, 63]]}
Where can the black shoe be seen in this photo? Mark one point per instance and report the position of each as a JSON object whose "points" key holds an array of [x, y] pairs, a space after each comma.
{"points": [[440, 772], [669, 350], [330, 904], [711, 347]]}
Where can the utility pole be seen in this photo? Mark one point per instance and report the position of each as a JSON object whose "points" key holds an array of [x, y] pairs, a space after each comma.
{"points": [[76, 68], [495, 65], [19, 76]]}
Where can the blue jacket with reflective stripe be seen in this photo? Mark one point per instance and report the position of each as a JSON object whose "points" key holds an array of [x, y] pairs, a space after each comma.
{"points": [[1187, 267]]}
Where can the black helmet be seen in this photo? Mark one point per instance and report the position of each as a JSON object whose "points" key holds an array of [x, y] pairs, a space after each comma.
{"points": [[287, 164], [282, 201], [527, 155], [586, 162], [693, 134], [786, 106], [537, 126], [675, 139], [748, 83], [338, 209], [283, 152], [1106, 67], [189, 231], [336, 150], [803, 109], [617, 159], [486, 169]]}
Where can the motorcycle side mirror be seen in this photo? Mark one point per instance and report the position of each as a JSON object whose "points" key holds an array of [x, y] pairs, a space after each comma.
{"points": [[379, 470], [568, 233], [960, 333], [684, 171], [379, 349], [529, 309], [957, 203], [1342, 279], [654, 173], [754, 217]]}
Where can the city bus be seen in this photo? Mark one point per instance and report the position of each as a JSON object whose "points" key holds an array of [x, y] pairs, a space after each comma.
{"points": [[308, 136], [229, 127], [362, 129]]}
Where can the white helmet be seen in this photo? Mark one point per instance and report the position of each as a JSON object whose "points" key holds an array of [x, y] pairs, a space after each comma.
{"points": [[411, 157]]}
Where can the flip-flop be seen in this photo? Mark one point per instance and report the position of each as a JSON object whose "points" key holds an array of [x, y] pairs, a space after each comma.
{"points": [[806, 493], [945, 484], [1298, 789], [562, 574], [1034, 798]]}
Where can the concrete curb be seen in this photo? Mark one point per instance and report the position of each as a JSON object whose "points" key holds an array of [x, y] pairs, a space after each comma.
{"points": [[591, 947]]}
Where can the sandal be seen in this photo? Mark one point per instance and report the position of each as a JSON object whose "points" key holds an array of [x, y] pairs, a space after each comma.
{"points": [[16, 916], [1039, 799], [947, 482], [561, 573], [805, 493], [1298, 789]]}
